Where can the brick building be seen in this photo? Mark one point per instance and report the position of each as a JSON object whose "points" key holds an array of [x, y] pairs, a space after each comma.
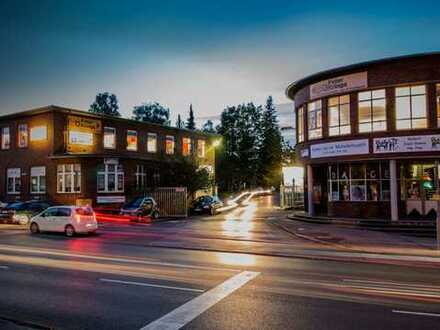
{"points": [[71, 156], [369, 137]]}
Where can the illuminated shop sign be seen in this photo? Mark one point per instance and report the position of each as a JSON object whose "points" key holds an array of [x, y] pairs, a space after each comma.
{"points": [[86, 124], [80, 134], [339, 85], [416, 143], [81, 138], [342, 148]]}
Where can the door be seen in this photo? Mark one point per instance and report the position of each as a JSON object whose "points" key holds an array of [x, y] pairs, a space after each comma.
{"points": [[46, 218], [61, 219]]}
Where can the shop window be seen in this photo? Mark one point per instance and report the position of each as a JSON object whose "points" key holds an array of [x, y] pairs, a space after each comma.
{"points": [[314, 120], [80, 138], [339, 115], [38, 180], [69, 178], [6, 138], [186, 146], [152, 142], [418, 181], [132, 140], [169, 145], [110, 178], [23, 135], [300, 125], [372, 111], [141, 176], [109, 138], [411, 107], [359, 182], [201, 148], [13, 180], [38, 133]]}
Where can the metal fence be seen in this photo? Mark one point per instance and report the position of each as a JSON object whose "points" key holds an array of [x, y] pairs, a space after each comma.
{"points": [[291, 197], [172, 201]]}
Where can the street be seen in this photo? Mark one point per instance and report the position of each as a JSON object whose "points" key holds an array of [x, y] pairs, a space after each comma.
{"points": [[219, 272]]}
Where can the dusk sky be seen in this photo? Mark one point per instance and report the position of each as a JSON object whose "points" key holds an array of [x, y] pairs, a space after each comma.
{"points": [[208, 53]]}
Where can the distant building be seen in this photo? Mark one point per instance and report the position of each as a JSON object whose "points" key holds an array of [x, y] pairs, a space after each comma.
{"points": [[286, 120]]}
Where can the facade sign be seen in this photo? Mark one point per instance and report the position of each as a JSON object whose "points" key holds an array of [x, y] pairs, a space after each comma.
{"points": [[83, 138], [342, 148], [304, 153], [339, 85], [81, 133], [110, 199], [84, 124], [416, 143]]}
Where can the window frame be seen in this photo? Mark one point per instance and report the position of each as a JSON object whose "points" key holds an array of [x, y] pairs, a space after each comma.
{"points": [[141, 177], [113, 129], [338, 106], [14, 183], [173, 149], [33, 130], [26, 136], [151, 135], [371, 99], [5, 146], [300, 124], [39, 190], [117, 173], [410, 96], [189, 146], [317, 111], [128, 148], [201, 152], [65, 173]]}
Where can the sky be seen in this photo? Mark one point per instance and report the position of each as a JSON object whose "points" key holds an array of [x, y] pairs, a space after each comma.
{"points": [[208, 53]]}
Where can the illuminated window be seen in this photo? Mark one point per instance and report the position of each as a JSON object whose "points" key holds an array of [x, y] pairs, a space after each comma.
{"points": [[411, 107], [314, 118], [339, 115], [438, 104], [152, 142], [69, 178], [140, 177], [6, 138], [38, 179], [170, 145], [372, 111], [132, 140], [82, 138], [109, 138], [201, 148], [38, 133], [300, 125], [22, 138], [13, 180], [110, 178], [186, 146]]}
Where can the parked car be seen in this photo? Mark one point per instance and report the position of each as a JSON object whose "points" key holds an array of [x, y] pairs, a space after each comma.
{"points": [[21, 212], [68, 219], [206, 204], [141, 207]]}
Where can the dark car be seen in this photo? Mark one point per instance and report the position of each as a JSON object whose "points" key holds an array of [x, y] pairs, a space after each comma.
{"points": [[141, 207], [206, 204], [21, 212]]}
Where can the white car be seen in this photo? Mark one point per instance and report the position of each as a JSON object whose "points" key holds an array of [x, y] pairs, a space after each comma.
{"points": [[70, 220]]}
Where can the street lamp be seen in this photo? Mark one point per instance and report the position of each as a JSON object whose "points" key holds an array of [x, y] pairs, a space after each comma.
{"points": [[216, 143]]}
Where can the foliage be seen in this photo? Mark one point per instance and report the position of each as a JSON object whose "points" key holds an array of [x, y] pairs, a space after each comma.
{"points": [[190, 123], [208, 127], [179, 122], [152, 112], [106, 104]]}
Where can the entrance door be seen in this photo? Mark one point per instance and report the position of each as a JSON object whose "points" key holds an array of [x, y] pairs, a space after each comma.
{"points": [[320, 190]]}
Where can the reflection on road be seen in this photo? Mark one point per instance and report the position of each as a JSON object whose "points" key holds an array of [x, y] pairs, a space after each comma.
{"points": [[236, 259], [239, 223]]}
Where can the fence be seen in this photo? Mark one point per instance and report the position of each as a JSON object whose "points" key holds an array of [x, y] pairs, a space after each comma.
{"points": [[291, 197], [172, 201]]}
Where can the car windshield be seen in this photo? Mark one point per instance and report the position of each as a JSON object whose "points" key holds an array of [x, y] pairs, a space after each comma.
{"points": [[134, 204]]}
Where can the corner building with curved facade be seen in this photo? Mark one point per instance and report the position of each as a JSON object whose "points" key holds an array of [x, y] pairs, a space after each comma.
{"points": [[368, 135]]}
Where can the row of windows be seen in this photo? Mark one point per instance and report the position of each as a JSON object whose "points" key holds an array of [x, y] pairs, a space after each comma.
{"points": [[35, 133], [410, 105]]}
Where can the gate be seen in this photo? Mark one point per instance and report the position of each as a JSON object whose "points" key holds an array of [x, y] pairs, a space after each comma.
{"points": [[291, 197], [172, 201]]}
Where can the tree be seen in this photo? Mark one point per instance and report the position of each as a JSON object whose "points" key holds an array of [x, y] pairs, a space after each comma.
{"points": [[208, 127], [106, 104], [179, 122], [152, 112], [190, 123]]}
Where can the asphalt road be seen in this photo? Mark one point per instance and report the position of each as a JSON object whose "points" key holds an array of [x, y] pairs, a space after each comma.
{"points": [[188, 274]]}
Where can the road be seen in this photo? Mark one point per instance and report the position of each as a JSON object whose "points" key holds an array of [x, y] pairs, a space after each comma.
{"points": [[203, 273]]}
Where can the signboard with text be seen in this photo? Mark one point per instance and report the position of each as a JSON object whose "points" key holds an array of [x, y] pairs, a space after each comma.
{"points": [[80, 134], [416, 143], [342, 148], [342, 84]]}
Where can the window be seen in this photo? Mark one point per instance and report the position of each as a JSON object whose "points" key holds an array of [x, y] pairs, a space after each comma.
{"points": [[82, 138], [152, 142], [438, 104], [186, 146], [300, 126], [140, 177], [13, 180], [372, 111], [201, 148], [339, 115], [132, 140], [109, 138], [110, 178], [169, 145], [38, 133], [314, 120], [6, 138], [69, 178], [22, 138], [38, 179], [411, 107]]}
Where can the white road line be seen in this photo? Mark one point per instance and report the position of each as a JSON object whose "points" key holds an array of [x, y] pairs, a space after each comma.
{"points": [[187, 312], [414, 285], [416, 313], [4, 267], [151, 285]]}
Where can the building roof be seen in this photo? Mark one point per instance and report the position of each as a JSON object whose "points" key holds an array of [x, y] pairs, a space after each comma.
{"points": [[294, 87]]}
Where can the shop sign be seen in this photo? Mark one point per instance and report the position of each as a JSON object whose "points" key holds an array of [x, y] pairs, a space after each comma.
{"points": [[339, 85], [305, 153], [342, 148], [416, 143], [84, 124], [110, 199]]}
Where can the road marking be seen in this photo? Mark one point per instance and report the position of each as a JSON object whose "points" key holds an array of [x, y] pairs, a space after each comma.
{"points": [[403, 285], [151, 285], [416, 313], [184, 314], [4, 267]]}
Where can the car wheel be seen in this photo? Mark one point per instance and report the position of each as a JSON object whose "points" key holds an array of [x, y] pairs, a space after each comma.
{"points": [[34, 228], [69, 231]]}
